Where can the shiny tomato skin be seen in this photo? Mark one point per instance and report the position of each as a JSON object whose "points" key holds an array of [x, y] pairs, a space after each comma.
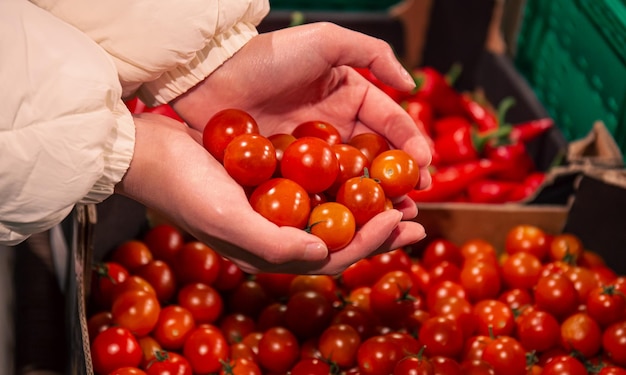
{"points": [[556, 294], [441, 249], [174, 324], [414, 365], [197, 263], [136, 311], [104, 278], [283, 202], [311, 163], [133, 282], [311, 366], [516, 298], [606, 305], [390, 299], [334, 223], [278, 350], [168, 363], [457, 309], [396, 172], [236, 326], [113, 348], [481, 280], [308, 312], [527, 238], [325, 285], [164, 240], [319, 129], [370, 144], [564, 365], [204, 303], [132, 254], [397, 259], [363, 196], [250, 159], [580, 333], [443, 289], [205, 348], [538, 330], [280, 141], [98, 322], [506, 355], [229, 276], [127, 371], [339, 343], [248, 298], [223, 127], [493, 317], [352, 163], [378, 355], [358, 274], [566, 245], [441, 336], [614, 342], [240, 366], [521, 270], [160, 275]]}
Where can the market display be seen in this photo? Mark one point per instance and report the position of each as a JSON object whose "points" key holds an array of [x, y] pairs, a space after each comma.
{"points": [[541, 305]]}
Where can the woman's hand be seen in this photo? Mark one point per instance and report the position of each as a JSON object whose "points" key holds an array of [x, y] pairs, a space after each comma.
{"points": [[172, 173]]}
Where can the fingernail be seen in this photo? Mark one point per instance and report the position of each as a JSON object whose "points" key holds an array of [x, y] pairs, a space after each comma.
{"points": [[315, 251], [407, 76]]}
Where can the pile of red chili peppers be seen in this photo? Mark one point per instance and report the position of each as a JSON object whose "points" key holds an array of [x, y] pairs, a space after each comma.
{"points": [[477, 156]]}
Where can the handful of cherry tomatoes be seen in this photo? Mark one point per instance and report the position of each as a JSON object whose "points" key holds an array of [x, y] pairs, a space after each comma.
{"points": [[310, 179], [166, 304]]}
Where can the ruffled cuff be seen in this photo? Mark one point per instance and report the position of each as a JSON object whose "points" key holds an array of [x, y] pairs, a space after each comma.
{"points": [[176, 82]]}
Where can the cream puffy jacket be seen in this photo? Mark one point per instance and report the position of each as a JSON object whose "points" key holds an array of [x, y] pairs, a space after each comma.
{"points": [[66, 137]]}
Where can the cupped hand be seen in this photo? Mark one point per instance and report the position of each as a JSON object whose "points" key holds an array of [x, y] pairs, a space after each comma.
{"points": [[304, 73], [172, 173]]}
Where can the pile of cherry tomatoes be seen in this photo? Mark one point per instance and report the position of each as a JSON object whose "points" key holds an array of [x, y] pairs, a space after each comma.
{"points": [[309, 178], [167, 304]]}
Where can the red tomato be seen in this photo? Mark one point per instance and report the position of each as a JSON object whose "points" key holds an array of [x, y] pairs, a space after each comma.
{"points": [[360, 319], [506, 356], [223, 127], [439, 250], [478, 249], [283, 202], [390, 299], [480, 280], [443, 289], [611, 370], [566, 247], [564, 365], [174, 324], [319, 129], [396, 172], [445, 366], [205, 349], [248, 298], [149, 348], [580, 333], [521, 270], [527, 238], [136, 311], [476, 367], [516, 298], [334, 223], [113, 348], [614, 342], [203, 302], [538, 330], [311, 163], [133, 282], [278, 350], [168, 363], [393, 260], [98, 323], [132, 254], [414, 365], [127, 371], [161, 277], [164, 241], [493, 318], [584, 281], [606, 305], [250, 159], [458, 309], [104, 277], [229, 277], [556, 294], [444, 271], [311, 366], [474, 347], [441, 336], [370, 144], [197, 263], [323, 284], [236, 326], [276, 285], [359, 273], [280, 141], [308, 313], [339, 344], [240, 366], [363, 196], [378, 355], [352, 163]]}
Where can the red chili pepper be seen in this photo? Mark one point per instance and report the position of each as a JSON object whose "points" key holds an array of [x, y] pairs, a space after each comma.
{"points": [[434, 87], [448, 182], [421, 112], [485, 118], [461, 145], [490, 191], [395, 94], [528, 187], [449, 124], [514, 159], [527, 131]]}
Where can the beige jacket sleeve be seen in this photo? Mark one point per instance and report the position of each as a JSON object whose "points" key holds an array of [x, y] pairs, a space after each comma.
{"points": [[65, 135]]}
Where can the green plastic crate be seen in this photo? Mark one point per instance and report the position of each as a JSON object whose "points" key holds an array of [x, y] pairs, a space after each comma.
{"points": [[573, 54], [339, 5]]}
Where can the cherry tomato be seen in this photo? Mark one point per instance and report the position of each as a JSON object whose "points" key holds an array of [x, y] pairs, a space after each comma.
{"points": [[393, 260], [311, 163], [396, 172], [493, 318], [248, 298], [506, 355], [206, 348], [223, 127], [334, 223], [276, 285], [445, 365], [611, 370], [240, 366], [527, 238], [441, 336], [104, 277], [250, 159], [581, 333], [149, 348], [444, 271], [521, 270], [164, 241], [584, 281], [308, 313], [136, 311], [370, 144], [363, 196], [132, 254], [168, 363], [390, 299], [280, 141], [133, 282], [378, 355], [161, 277], [323, 284], [174, 324], [278, 350], [203, 302], [319, 129], [556, 294], [614, 342], [311, 366], [606, 305], [476, 367], [538, 330], [474, 347], [98, 323], [197, 263], [359, 273], [113, 348], [352, 163], [478, 249], [283, 202], [414, 365], [339, 343], [360, 319], [480, 280], [457, 309], [439, 250], [229, 276], [516, 298], [127, 371], [443, 289], [566, 246], [235, 326], [564, 365]]}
